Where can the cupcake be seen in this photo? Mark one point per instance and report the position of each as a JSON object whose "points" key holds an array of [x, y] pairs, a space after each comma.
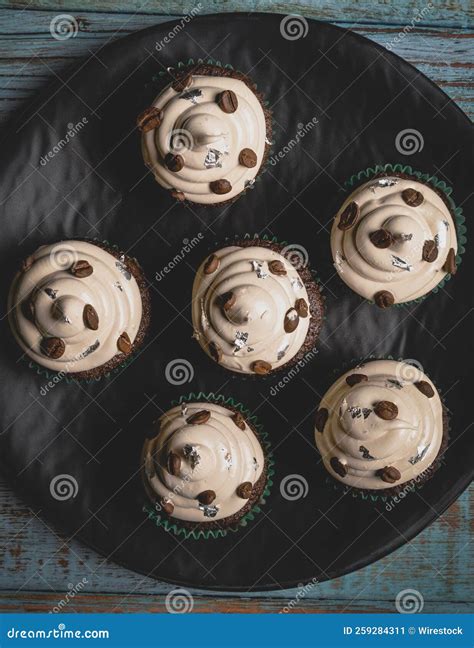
{"points": [[206, 468], [253, 311], [79, 308], [394, 239], [381, 427], [206, 135]]}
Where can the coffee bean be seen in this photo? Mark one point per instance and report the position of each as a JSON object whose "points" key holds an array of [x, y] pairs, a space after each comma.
{"points": [[386, 410], [90, 317], [182, 82], [211, 265], [178, 195], [321, 418], [349, 216], [215, 351], [199, 418], [174, 162], [412, 197], [291, 321], [124, 343], [53, 347], [356, 378], [384, 299], [301, 307], [381, 238], [450, 263], [389, 474], [206, 497], [425, 388], [174, 464], [81, 269], [244, 490], [27, 263], [28, 309], [261, 367], [227, 101], [277, 268], [167, 506], [227, 300], [430, 251], [239, 420], [248, 158], [149, 119], [220, 186], [338, 467]]}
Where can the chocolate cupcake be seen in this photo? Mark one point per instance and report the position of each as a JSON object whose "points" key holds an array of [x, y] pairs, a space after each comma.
{"points": [[206, 135], [206, 468], [381, 428], [79, 308], [394, 239], [253, 311]]}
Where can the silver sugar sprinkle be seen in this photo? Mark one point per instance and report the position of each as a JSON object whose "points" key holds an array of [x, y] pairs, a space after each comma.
{"points": [[212, 159], [209, 510], [397, 262], [191, 95], [191, 453], [120, 264]]}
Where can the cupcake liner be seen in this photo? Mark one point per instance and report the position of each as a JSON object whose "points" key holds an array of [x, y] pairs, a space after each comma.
{"points": [[55, 377], [439, 186], [406, 488], [174, 525]]}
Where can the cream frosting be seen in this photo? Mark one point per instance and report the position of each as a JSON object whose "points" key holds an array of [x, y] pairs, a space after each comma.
{"points": [[208, 139], [366, 444], [399, 267], [239, 310], [47, 300], [214, 456]]}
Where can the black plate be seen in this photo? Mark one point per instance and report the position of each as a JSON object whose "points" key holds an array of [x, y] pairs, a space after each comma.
{"points": [[362, 96]]}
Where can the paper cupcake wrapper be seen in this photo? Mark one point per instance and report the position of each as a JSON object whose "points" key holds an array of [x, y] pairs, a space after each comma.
{"points": [[173, 525], [410, 486], [438, 185]]}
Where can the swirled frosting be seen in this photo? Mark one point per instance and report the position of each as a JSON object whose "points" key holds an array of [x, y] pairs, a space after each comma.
{"points": [[250, 309], [393, 234], [379, 425], [203, 463], [74, 306], [198, 132]]}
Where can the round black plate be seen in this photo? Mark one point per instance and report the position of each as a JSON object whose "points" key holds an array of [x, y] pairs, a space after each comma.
{"points": [[97, 186]]}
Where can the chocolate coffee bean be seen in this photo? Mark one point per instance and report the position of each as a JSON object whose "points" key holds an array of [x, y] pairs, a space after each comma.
{"points": [[450, 263], [389, 474], [178, 195], [27, 263], [28, 309], [381, 238], [384, 299], [211, 265], [124, 343], [261, 367], [199, 418], [425, 388], [81, 269], [412, 197], [227, 300], [338, 467], [386, 410], [321, 418], [277, 268], [174, 162], [227, 101], [248, 158], [149, 119], [291, 321], [167, 506], [349, 216], [220, 186], [430, 251], [244, 490], [356, 378], [206, 497], [301, 307], [239, 420], [90, 317], [53, 347], [174, 464], [182, 82], [215, 351]]}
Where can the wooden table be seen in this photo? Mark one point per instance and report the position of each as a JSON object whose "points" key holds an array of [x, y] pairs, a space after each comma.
{"points": [[39, 565]]}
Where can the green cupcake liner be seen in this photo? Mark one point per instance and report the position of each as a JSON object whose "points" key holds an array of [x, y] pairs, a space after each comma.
{"points": [[438, 185], [173, 525]]}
